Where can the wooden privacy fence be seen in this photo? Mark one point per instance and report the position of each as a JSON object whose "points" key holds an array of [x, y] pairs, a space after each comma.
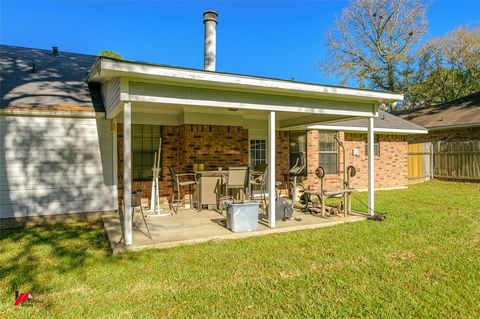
{"points": [[459, 160], [419, 162]]}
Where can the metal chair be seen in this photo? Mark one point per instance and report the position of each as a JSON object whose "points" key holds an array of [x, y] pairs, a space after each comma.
{"points": [[258, 180], [237, 180], [136, 203], [178, 181]]}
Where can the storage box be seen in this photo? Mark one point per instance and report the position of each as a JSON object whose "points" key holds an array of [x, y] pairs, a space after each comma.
{"points": [[242, 217]]}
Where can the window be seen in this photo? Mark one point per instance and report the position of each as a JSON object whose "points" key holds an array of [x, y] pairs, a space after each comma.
{"points": [[145, 142], [298, 149], [328, 151], [376, 147], [258, 152]]}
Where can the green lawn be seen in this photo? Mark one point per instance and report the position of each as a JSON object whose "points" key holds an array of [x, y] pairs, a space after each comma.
{"points": [[424, 261]]}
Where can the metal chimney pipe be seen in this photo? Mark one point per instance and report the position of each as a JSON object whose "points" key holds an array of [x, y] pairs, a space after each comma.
{"points": [[210, 21]]}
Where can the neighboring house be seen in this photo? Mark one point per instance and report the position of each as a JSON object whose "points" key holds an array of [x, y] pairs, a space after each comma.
{"points": [[457, 120], [454, 133], [77, 130]]}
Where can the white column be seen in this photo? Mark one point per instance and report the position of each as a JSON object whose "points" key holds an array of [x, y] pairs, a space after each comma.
{"points": [[371, 166], [127, 173], [271, 169]]}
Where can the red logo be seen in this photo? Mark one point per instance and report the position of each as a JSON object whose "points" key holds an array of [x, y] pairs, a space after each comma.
{"points": [[22, 297]]}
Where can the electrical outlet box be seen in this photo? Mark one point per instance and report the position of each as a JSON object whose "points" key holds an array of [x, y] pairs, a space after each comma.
{"points": [[355, 152]]}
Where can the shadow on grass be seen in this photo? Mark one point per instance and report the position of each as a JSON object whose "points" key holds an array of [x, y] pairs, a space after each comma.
{"points": [[32, 258]]}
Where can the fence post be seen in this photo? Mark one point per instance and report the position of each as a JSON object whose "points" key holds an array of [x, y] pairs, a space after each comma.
{"points": [[431, 160]]}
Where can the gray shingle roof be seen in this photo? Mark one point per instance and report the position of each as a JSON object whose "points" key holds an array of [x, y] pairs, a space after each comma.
{"points": [[384, 120], [56, 81], [461, 112]]}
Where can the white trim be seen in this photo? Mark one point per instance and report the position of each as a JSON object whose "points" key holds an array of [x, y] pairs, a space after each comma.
{"points": [[245, 106], [127, 173], [114, 128], [271, 169], [31, 112], [371, 166], [364, 129], [127, 68]]}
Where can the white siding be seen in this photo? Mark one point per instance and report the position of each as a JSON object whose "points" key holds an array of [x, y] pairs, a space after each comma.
{"points": [[55, 165], [111, 94]]}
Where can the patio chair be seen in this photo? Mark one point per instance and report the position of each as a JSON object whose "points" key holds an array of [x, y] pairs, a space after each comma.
{"points": [[180, 181], [258, 178], [237, 182], [136, 203]]}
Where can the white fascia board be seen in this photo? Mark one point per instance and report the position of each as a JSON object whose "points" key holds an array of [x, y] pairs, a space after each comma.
{"points": [[364, 129], [245, 106], [129, 69]]}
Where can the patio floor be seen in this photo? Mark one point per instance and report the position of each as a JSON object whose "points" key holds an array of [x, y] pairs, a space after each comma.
{"points": [[191, 227]]}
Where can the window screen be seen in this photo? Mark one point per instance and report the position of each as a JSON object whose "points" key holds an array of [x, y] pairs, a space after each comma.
{"points": [[258, 152], [376, 146], [298, 149], [145, 142], [328, 151]]}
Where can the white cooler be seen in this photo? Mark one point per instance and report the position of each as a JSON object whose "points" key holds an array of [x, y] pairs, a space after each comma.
{"points": [[242, 217]]}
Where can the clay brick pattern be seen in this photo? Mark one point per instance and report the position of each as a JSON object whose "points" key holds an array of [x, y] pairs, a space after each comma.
{"points": [[223, 146]]}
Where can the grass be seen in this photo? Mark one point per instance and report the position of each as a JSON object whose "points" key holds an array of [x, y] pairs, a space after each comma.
{"points": [[424, 261]]}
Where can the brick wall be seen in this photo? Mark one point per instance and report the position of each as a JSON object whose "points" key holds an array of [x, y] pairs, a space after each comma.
{"points": [[215, 146], [390, 166], [282, 156], [182, 146], [170, 150], [223, 146]]}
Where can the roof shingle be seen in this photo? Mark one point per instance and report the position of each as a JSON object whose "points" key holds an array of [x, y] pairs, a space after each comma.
{"points": [[55, 82], [461, 112]]}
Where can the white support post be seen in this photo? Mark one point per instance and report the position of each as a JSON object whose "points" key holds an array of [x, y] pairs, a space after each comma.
{"points": [[371, 166], [271, 169], [127, 173]]}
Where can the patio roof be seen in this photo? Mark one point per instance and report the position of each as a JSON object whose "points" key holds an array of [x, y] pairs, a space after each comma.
{"points": [[130, 88], [106, 68]]}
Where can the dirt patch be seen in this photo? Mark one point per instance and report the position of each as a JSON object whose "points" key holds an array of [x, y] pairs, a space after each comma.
{"points": [[403, 255]]}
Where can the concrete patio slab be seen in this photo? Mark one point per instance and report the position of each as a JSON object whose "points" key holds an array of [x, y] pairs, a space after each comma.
{"points": [[191, 227]]}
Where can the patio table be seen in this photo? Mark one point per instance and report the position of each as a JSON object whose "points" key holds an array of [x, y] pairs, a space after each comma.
{"points": [[209, 183]]}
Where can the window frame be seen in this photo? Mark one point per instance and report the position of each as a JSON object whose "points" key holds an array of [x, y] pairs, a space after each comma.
{"points": [[336, 152], [290, 163], [376, 145], [142, 152], [251, 154]]}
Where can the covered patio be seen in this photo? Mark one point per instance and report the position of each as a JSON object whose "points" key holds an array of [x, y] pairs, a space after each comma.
{"points": [[190, 227], [141, 93]]}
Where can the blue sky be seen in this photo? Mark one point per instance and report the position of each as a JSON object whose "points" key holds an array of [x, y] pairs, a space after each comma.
{"points": [[282, 39]]}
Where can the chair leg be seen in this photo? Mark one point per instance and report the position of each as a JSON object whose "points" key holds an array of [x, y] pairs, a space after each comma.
{"points": [[264, 198], [145, 222], [197, 191], [175, 199]]}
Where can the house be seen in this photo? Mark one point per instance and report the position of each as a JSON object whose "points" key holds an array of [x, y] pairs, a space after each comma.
{"points": [[78, 132], [454, 135], [452, 121]]}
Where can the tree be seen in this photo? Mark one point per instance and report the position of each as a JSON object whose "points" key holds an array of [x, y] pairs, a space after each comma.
{"points": [[371, 42], [111, 54], [448, 68]]}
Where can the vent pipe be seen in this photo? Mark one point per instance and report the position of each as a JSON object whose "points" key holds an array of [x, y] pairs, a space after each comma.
{"points": [[210, 22]]}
